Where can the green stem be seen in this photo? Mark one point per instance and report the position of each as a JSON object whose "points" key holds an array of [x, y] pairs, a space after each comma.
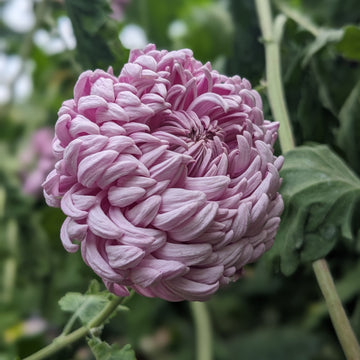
{"points": [[338, 316], [11, 262], [273, 75], [337, 313], [298, 17], [203, 330], [65, 340]]}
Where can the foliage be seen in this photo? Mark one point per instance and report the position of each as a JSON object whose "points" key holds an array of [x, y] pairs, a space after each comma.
{"points": [[320, 194], [266, 315], [104, 351]]}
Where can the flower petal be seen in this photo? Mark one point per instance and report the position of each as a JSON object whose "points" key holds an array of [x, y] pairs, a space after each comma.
{"points": [[101, 225]]}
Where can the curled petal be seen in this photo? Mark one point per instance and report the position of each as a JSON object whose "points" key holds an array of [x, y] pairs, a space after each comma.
{"points": [[173, 198], [124, 196], [205, 102], [103, 87], [192, 290], [92, 167], [93, 257], [91, 102], [65, 238], [212, 186], [68, 207], [205, 275], [144, 213], [197, 225], [188, 254], [124, 256], [115, 288], [116, 172], [101, 225], [173, 218]]}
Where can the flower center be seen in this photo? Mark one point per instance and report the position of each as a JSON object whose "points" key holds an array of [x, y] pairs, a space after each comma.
{"points": [[205, 141], [195, 135]]}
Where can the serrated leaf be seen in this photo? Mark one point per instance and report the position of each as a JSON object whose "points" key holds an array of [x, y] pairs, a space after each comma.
{"points": [[348, 138], [85, 307], [94, 287], [320, 194], [103, 351], [349, 45]]}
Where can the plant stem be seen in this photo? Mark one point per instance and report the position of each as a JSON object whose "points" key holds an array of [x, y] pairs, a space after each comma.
{"points": [[298, 17], [338, 316], [273, 76], [65, 340], [203, 330], [11, 262], [337, 313]]}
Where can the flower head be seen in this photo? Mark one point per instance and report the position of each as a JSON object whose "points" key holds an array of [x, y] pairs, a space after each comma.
{"points": [[166, 174]]}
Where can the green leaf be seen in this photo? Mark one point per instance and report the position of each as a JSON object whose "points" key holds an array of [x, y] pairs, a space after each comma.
{"points": [[348, 135], [321, 195], [84, 307], [349, 45], [103, 351], [96, 35], [324, 37]]}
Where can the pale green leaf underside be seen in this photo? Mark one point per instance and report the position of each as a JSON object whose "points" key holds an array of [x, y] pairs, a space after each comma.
{"points": [[104, 351], [84, 307]]}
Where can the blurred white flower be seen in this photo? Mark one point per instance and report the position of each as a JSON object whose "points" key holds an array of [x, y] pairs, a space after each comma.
{"points": [[18, 15], [133, 36], [15, 74], [66, 32], [60, 39], [177, 28]]}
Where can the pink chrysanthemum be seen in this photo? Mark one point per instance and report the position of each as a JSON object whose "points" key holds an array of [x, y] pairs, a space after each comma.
{"points": [[36, 160], [166, 174]]}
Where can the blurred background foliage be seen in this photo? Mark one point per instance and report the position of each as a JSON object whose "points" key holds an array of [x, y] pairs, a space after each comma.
{"points": [[45, 44]]}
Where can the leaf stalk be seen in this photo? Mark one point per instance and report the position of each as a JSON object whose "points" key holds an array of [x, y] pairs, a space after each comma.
{"points": [[64, 340]]}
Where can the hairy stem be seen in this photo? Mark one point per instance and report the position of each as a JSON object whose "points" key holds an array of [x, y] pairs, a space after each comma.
{"points": [[275, 90], [64, 340], [203, 330], [338, 316], [337, 313]]}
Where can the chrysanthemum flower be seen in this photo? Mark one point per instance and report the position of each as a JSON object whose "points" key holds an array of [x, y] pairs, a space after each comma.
{"points": [[166, 174]]}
